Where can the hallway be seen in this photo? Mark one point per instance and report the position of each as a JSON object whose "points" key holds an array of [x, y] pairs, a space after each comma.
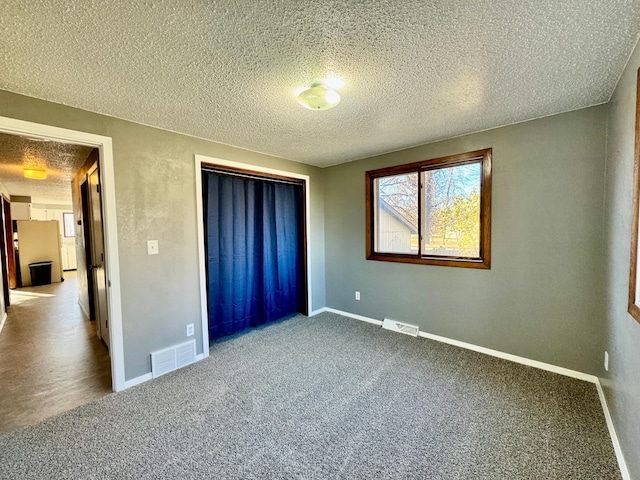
{"points": [[51, 359]]}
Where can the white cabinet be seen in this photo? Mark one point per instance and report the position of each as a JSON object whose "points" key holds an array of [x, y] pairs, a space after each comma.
{"points": [[38, 241], [67, 244], [69, 257], [20, 211]]}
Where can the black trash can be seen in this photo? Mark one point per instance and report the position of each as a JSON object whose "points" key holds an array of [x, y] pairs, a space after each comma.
{"points": [[40, 273]]}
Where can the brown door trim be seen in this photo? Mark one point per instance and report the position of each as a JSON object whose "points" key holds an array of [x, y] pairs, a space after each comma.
{"points": [[11, 256]]}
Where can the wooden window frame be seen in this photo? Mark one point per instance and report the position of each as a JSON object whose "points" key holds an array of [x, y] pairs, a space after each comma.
{"points": [[484, 259], [634, 301]]}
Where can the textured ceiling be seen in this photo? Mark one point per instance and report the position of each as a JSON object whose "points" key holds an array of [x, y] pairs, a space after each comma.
{"points": [[60, 160], [414, 71]]}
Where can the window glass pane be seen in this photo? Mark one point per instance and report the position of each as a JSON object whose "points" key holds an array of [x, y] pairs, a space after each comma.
{"points": [[397, 214], [69, 225], [451, 199]]}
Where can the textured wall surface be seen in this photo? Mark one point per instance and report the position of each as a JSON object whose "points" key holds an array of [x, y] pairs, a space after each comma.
{"points": [[155, 199], [622, 382], [414, 71], [542, 297]]}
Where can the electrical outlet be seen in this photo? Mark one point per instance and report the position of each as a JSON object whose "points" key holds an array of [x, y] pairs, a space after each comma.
{"points": [[357, 295], [189, 329], [606, 361], [152, 247]]}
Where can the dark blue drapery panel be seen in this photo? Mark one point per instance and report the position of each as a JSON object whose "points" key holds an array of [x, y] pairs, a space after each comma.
{"points": [[254, 246]]}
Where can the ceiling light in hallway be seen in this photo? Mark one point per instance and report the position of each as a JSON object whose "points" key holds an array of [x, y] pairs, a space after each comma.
{"points": [[35, 173]]}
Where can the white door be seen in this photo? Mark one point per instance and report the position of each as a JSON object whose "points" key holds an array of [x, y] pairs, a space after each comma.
{"points": [[97, 256]]}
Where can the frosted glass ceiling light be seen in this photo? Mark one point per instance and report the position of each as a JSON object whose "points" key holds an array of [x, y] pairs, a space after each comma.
{"points": [[319, 97]]}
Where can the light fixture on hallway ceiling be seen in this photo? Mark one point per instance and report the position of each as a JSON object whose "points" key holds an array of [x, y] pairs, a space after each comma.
{"points": [[35, 173], [319, 97]]}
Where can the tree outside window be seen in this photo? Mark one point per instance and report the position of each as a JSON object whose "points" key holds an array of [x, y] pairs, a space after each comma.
{"points": [[433, 212]]}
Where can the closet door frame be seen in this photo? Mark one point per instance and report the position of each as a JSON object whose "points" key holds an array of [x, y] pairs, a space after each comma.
{"points": [[266, 173]]}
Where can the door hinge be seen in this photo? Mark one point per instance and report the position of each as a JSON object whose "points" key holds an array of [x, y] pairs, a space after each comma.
{"points": [[98, 188], [102, 257]]}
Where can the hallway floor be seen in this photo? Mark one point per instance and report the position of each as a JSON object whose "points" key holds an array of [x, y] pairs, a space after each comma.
{"points": [[51, 359]]}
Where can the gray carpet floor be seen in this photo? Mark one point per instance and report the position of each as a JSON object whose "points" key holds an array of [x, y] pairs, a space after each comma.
{"points": [[328, 398]]}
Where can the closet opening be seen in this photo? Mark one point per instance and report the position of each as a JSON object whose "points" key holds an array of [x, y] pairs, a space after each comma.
{"points": [[255, 243]]}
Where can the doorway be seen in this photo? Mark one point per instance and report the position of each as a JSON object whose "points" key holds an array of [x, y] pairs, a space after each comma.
{"points": [[110, 254], [6, 241], [51, 358], [304, 292], [96, 278], [88, 248]]}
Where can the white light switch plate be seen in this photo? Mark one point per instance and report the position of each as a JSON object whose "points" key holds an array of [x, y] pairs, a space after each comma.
{"points": [[152, 247]]}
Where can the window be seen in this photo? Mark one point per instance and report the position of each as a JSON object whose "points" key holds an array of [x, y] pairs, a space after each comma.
{"points": [[435, 212], [69, 225], [634, 283]]}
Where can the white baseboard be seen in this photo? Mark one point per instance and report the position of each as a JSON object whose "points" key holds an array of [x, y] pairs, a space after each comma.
{"points": [[137, 381], [531, 363], [513, 358], [487, 351], [353, 315], [84, 311], [3, 321], [612, 433], [148, 376]]}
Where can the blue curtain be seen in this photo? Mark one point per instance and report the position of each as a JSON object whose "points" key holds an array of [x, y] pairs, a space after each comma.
{"points": [[254, 240]]}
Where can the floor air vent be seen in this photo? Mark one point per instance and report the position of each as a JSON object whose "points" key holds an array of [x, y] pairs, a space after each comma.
{"points": [[400, 327], [172, 358]]}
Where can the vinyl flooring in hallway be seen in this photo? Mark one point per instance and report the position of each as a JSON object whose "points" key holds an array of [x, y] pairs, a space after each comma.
{"points": [[51, 359]]}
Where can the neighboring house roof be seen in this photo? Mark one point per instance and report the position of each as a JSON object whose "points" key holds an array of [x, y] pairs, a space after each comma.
{"points": [[391, 210]]}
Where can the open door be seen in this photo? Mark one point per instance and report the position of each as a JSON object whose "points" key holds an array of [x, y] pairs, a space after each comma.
{"points": [[97, 255], [10, 251], [86, 238], [3, 255]]}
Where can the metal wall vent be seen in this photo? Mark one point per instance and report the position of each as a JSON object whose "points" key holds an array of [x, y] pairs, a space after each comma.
{"points": [[400, 327], [185, 354], [172, 358]]}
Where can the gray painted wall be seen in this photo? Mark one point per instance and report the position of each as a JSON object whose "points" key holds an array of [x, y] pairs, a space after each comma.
{"points": [[622, 382], [542, 298], [155, 199]]}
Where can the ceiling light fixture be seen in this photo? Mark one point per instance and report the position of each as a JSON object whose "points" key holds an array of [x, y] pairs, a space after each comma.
{"points": [[333, 81], [35, 173], [319, 97]]}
